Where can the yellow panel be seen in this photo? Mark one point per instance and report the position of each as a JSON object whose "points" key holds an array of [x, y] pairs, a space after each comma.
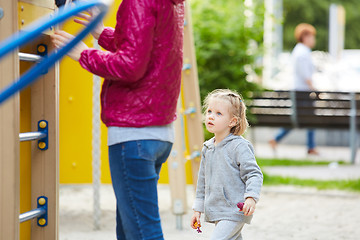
{"points": [[25, 163], [105, 170], [76, 117], [42, 3], [75, 121], [164, 174], [29, 13]]}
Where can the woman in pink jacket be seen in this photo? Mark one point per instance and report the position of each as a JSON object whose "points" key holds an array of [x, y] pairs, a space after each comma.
{"points": [[142, 70]]}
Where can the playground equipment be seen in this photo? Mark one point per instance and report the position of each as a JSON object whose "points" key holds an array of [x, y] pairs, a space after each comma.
{"points": [[44, 105], [35, 30], [188, 127]]}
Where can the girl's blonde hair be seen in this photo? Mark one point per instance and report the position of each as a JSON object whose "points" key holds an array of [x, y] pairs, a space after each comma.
{"points": [[238, 108]]}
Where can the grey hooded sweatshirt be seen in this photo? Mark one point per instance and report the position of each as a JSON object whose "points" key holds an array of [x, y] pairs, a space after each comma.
{"points": [[228, 174]]}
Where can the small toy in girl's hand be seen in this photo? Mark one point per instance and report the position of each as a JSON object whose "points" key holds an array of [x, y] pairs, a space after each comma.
{"points": [[240, 205], [198, 227]]}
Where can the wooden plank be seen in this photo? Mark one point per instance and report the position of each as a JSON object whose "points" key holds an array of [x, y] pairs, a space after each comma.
{"points": [[45, 164], [25, 161], [191, 94], [9, 130], [25, 147], [25, 150], [176, 168]]}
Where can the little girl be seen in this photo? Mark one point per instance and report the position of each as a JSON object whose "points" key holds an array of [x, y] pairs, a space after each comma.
{"points": [[228, 171]]}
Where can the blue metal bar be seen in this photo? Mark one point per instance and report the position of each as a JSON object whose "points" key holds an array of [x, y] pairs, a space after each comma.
{"points": [[193, 155], [29, 57], [1, 13], [186, 66], [190, 110], [31, 136], [41, 212], [37, 28], [37, 212]]}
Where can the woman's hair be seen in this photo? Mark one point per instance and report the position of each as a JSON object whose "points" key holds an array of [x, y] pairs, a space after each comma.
{"points": [[237, 109], [302, 30]]}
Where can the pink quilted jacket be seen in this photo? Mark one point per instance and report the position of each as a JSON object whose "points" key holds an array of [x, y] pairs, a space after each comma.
{"points": [[142, 64]]}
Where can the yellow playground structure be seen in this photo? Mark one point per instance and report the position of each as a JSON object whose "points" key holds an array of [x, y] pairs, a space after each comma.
{"points": [[61, 114]]}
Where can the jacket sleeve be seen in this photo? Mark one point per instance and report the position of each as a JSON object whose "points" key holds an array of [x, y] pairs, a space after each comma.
{"points": [[129, 62], [106, 39], [250, 172], [200, 187]]}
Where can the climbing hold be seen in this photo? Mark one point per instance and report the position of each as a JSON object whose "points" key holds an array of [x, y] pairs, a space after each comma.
{"points": [[42, 124], [42, 145], [42, 221], [42, 201]]}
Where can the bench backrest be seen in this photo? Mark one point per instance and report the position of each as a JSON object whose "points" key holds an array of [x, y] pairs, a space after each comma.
{"points": [[305, 109]]}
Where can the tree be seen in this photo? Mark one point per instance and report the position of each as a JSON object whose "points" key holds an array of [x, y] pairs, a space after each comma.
{"points": [[226, 49], [317, 14], [222, 43]]}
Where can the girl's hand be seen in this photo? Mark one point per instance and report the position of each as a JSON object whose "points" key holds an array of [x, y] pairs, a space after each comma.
{"points": [[84, 19], [195, 218], [249, 206], [61, 38]]}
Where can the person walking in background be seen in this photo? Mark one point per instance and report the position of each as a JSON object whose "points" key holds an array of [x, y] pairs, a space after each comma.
{"points": [[303, 70], [228, 172], [141, 65]]}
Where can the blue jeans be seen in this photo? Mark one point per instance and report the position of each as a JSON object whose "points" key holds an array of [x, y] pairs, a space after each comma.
{"points": [[135, 168], [310, 137]]}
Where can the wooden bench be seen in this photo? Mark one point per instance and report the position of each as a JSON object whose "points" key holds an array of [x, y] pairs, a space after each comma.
{"points": [[317, 109]]}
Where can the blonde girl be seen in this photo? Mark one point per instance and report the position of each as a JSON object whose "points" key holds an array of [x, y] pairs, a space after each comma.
{"points": [[228, 171]]}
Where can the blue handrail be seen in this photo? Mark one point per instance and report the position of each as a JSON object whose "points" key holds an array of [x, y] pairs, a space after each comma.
{"points": [[36, 29]]}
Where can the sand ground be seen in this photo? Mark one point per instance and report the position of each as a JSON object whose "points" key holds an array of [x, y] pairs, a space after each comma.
{"points": [[283, 212]]}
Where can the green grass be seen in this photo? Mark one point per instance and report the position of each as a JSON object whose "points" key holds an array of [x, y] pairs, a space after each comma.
{"points": [[349, 185], [289, 162]]}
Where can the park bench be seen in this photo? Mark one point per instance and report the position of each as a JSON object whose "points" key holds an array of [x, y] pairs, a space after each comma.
{"points": [[315, 109]]}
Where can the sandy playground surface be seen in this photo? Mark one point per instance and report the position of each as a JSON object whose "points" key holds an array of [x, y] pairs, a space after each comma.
{"points": [[282, 213]]}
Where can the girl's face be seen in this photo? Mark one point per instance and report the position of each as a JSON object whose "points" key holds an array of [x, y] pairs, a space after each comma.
{"points": [[218, 119]]}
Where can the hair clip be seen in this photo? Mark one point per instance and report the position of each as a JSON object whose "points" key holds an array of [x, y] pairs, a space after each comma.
{"points": [[231, 95]]}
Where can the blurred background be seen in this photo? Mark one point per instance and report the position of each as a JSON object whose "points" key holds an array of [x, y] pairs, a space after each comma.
{"points": [[253, 40]]}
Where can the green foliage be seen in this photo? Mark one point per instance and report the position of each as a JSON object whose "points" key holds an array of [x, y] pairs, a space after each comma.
{"points": [[317, 14], [222, 40]]}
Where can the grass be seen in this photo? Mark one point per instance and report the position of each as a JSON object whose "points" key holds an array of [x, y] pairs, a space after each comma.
{"points": [[265, 162], [349, 185]]}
